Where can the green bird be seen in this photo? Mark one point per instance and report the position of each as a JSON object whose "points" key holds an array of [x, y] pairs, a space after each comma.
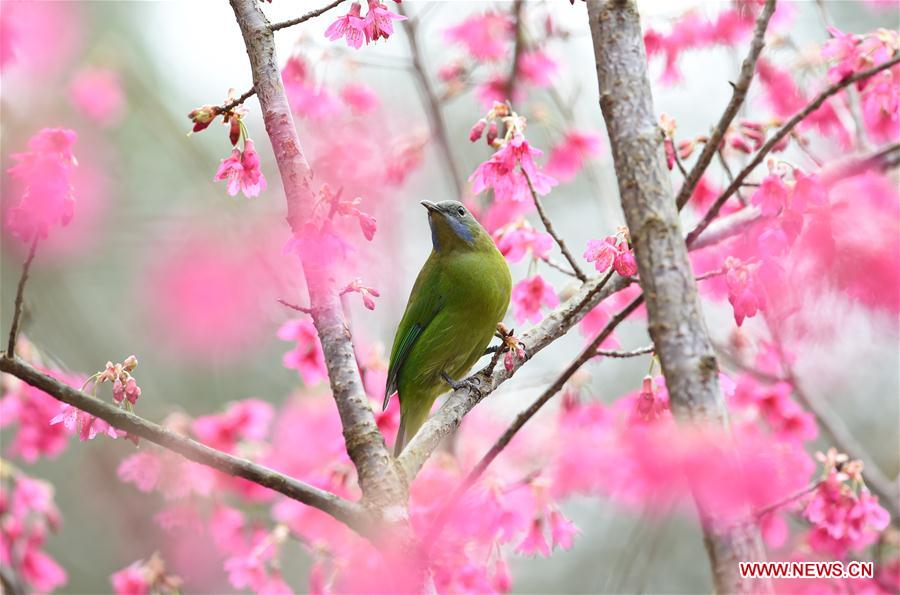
{"points": [[460, 295]]}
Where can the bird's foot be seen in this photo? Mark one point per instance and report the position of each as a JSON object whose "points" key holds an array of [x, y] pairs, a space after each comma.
{"points": [[471, 383]]}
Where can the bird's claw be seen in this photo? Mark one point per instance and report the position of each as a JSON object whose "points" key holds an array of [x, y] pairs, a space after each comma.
{"points": [[470, 382]]}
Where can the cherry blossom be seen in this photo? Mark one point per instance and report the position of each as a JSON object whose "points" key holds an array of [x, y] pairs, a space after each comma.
{"points": [[517, 240], [351, 26], [537, 68], [568, 156], [44, 172], [242, 172], [97, 93], [529, 295], [505, 172], [612, 251], [379, 21], [485, 36], [244, 420], [307, 358]]}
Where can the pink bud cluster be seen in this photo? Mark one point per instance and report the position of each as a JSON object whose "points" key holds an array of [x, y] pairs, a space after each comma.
{"points": [[124, 386], [27, 514], [612, 251], [44, 173], [356, 29], [366, 292]]}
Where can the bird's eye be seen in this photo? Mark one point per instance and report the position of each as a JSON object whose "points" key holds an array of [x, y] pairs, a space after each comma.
{"points": [[461, 211]]}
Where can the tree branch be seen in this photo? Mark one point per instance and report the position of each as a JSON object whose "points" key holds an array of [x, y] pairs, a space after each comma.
{"points": [[518, 11], [432, 103], [20, 293], [548, 225], [625, 354], [780, 134], [676, 323], [311, 14], [738, 93], [379, 478], [345, 511]]}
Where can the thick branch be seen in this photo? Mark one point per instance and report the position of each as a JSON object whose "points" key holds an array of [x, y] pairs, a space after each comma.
{"points": [[738, 93], [432, 103], [780, 134], [20, 295], [461, 401], [379, 478], [348, 512], [676, 323]]}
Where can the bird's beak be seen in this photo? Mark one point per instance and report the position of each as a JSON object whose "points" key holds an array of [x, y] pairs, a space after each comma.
{"points": [[430, 206]]}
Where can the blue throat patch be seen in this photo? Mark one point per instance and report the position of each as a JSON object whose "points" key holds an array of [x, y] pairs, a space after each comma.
{"points": [[458, 227]]}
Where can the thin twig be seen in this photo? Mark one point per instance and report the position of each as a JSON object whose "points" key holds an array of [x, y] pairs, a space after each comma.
{"points": [[20, 291], [230, 105], [349, 512], [625, 354], [724, 163], [780, 134], [295, 307], [760, 512], [431, 102], [558, 266], [738, 93], [311, 14], [548, 225]]}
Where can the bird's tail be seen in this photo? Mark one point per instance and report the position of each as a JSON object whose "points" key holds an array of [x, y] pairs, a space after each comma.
{"points": [[410, 421]]}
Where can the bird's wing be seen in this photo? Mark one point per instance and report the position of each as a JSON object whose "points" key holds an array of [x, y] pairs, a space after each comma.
{"points": [[425, 301]]}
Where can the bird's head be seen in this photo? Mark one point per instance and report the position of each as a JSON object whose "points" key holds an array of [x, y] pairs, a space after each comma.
{"points": [[453, 227]]}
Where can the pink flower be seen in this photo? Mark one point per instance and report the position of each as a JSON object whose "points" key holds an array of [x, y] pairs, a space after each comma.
{"points": [[568, 156], [89, 427], [477, 130], [602, 252], [611, 251], [306, 97], [515, 242], [535, 542], [379, 21], [143, 469], [242, 172], [44, 172], [485, 36], [350, 26], [359, 97], [501, 173], [745, 297], [842, 520], [537, 68], [131, 580], [562, 531], [625, 264], [29, 410], [307, 358], [529, 295], [771, 196], [244, 420], [97, 93]]}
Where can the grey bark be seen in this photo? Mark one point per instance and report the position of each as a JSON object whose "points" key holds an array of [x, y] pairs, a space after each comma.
{"points": [[673, 309]]}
